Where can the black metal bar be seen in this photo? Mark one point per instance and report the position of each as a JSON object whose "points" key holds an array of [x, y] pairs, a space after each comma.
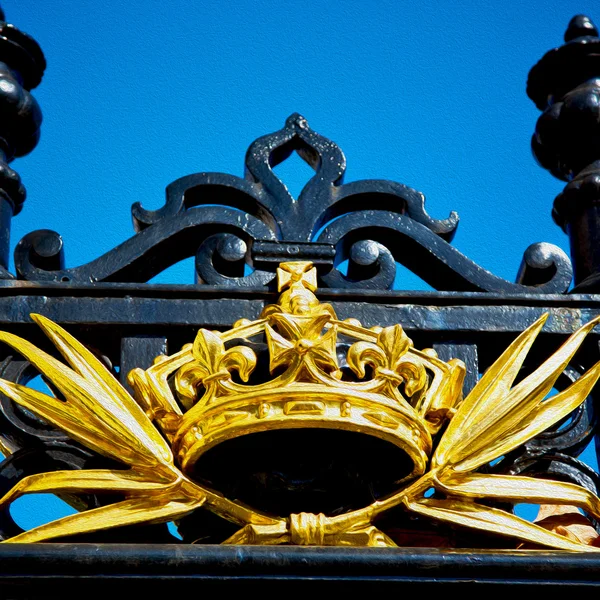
{"points": [[565, 84], [6, 215], [139, 351], [67, 570], [145, 314], [465, 352], [22, 65]]}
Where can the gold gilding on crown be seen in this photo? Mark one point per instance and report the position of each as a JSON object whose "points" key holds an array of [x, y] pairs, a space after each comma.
{"points": [[380, 385], [309, 389]]}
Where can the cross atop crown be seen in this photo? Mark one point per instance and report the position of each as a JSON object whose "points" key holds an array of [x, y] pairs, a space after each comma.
{"points": [[303, 272]]}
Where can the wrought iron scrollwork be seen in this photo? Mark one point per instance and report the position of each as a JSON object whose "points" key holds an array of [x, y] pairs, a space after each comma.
{"points": [[38, 459], [239, 229], [374, 240], [20, 427], [139, 258]]}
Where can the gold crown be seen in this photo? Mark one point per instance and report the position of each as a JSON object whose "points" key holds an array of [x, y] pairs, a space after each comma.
{"points": [[386, 389]]}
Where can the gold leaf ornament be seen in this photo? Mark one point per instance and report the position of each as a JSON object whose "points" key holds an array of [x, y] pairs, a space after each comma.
{"points": [[496, 418], [211, 366], [484, 518], [99, 413]]}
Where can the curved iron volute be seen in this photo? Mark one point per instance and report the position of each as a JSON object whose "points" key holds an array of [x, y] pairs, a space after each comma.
{"points": [[565, 84]]}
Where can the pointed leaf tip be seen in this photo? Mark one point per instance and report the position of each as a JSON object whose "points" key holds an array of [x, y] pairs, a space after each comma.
{"points": [[485, 398]]}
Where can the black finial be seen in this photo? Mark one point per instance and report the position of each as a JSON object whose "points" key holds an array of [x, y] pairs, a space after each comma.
{"points": [[580, 26], [22, 65], [565, 85]]}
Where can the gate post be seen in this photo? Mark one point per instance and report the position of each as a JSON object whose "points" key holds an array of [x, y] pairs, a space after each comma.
{"points": [[22, 65], [565, 84]]}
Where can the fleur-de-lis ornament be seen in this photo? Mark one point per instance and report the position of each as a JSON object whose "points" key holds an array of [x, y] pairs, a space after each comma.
{"points": [[392, 364], [212, 366]]}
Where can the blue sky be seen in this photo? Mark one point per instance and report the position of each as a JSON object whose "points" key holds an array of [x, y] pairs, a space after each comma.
{"points": [[430, 94]]}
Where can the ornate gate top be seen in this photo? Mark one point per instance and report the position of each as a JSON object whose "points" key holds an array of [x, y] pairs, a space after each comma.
{"points": [[235, 224], [290, 420]]}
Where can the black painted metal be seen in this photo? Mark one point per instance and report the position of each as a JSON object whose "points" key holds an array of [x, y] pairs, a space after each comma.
{"points": [[139, 351], [238, 230], [565, 84], [22, 65], [73, 571], [234, 225]]}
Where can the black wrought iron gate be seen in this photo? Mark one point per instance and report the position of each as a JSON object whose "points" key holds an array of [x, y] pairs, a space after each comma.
{"points": [[239, 229]]}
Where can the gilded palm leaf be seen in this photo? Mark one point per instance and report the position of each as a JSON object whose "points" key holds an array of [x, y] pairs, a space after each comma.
{"points": [[99, 413], [494, 419]]}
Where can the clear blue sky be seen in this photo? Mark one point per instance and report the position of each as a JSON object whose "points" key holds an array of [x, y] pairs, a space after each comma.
{"points": [[431, 94]]}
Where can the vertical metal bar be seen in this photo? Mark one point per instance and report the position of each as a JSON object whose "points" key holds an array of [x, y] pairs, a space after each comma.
{"points": [[6, 215], [22, 65], [465, 352], [139, 351], [565, 84]]}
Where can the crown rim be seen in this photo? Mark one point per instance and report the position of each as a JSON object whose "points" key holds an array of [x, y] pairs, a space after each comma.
{"points": [[304, 406]]}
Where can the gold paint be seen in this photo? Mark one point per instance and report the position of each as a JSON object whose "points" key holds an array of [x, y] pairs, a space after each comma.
{"points": [[382, 419], [408, 396], [302, 407]]}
